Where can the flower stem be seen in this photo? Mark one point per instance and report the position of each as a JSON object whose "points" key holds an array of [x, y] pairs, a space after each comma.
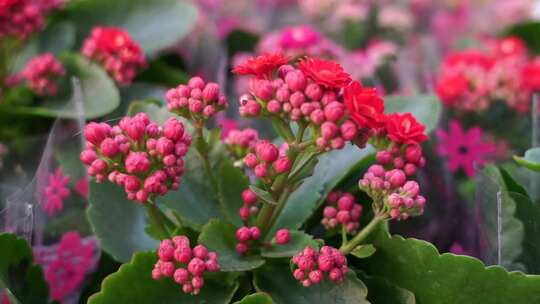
{"points": [[362, 235], [156, 220], [343, 235]]}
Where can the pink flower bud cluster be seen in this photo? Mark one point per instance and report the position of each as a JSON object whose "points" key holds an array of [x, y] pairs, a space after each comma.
{"points": [[116, 51], [312, 265], [282, 237], [401, 197], [41, 73], [137, 154], [20, 18], [295, 97], [197, 100], [266, 161], [342, 210], [239, 142], [245, 236], [186, 266], [405, 157], [249, 205]]}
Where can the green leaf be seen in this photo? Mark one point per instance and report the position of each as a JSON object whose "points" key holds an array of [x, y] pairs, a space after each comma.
{"points": [[133, 284], [277, 281], [263, 195], [426, 108], [434, 278], [382, 291], [232, 182], [299, 240], [99, 93], [119, 224], [529, 214], [256, 298], [363, 251], [531, 160], [220, 237], [155, 25], [331, 168], [160, 72], [17, 273]]}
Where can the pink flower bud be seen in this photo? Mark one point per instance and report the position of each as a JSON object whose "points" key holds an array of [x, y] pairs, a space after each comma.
{"points": [[333, 197], [187, 288], [306, 108], [348, 130], [132, 183], [195, 105], [196, 82], [181, 276], [413, 153], [296, 80], [337, 143], [164, 146], [346, 202], [328, 97], [396, 178], [334, 111], [283, 164], [88, 156], [316, 276], [395, 213], [196, 266], [141, 196], [200, 251], [263, 89], [244, 213], [250, 160], [249, 197], [266, 151], [384, 157], [99, 166], [343, 216], [255, 232], [109, 147], [243, 234], [209, 110], [412, 188], [210, 92], [241, 248], [137, 162], [261, 170], [156, 273], [166, 250], [420, 201], [283, 94], [253, 108], [183, 254], [329, 212], [314, 91], [197, 282], [335, 275], [399, 162], [306, 263], [377, 170], [173, 129], [273, 106], [167, 269], [181, 241], [329, 130], [298, 274], [283, 236], [409, 169], [212, 265], [325, 262], [96, 132]]}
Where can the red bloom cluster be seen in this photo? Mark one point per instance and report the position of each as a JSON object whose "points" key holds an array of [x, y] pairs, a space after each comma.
{"points": [[266, 161], [473, 79], [401, 197], [41, 73], [197, 100], [20, 18], [262, 66], [319, 94], [245, 236], [312, 265], [114, 49], [342, 210], [139, 155], [177, 260]]}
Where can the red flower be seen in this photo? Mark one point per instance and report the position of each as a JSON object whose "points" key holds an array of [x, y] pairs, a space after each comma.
{"points": [[365, 106], [451, 88], [325, 72], [530, 75], [404, 129], [262, 66]]}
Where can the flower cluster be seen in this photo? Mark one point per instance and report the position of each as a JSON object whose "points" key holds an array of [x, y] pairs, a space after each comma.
{"points": [[116, 51], [472, 80], [312, 265], [20, 18], [266, 161], [400, 197], [282, 237], [52, 200], [197, 100], [139, 155], [177, 260], [406, 157], [41, 73], [342, 209], [245, 235], [240, 142], [66, 265]]}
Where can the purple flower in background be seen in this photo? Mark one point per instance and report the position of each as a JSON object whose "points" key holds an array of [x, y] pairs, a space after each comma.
{"points": [[55, 192], [464, 148]]}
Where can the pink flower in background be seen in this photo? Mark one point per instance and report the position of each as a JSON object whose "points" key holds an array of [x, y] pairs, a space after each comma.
{"points": [[456, 248], [55, 192], [227, 125], [82, 187], [66, 264], [298, 37], [464, 148]]}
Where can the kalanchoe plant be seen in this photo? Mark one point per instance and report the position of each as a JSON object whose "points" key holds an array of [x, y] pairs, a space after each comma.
{"points": [[218, 229]]}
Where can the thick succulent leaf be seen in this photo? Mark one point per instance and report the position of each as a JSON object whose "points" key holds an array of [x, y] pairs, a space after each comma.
{"points": [[363, 251], [256, 298], [434, 278], [17, 273], [299, 240], [220, 237], [276, 280], [329, 171], [426, 108], [382, 291], [529, 214], [530, 160], [133, 284], [119, 224], [155, 24]]}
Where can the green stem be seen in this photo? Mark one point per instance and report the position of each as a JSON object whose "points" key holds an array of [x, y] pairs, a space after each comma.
{"points": [[156, 220], [279, 208], [343, 235], [362, 235], [300, 135]]}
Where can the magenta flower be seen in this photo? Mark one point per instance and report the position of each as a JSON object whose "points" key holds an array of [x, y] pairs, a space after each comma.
{"points": [[55, 193], [464, 148], [82, 187]]}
